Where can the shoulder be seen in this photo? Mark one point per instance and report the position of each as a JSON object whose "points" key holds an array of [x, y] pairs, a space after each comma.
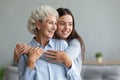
{"points": [[74, 41], [59, 44], [60, 41]]}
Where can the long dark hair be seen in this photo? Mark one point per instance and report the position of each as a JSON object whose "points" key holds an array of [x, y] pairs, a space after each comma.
{"points": [[74, 34]]}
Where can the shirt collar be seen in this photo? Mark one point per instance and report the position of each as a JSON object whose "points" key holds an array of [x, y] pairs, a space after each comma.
{"points": [[36, 44]]}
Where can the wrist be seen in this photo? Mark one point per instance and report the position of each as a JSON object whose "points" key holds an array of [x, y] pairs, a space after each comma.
{"points": [[31, 64], [67, 62]]}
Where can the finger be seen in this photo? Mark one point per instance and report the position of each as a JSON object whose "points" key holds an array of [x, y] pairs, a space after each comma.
{"points": [[31, 50], [41, 51], [25, 45], [37, 48], [18, 45], [17, 53], [23, 51], [52, 51], [50, 56], [20, 50], [16, 50]]}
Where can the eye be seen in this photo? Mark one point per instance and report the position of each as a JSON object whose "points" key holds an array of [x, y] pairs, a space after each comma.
{"points": [[61, 23], [51, 22], [70, 24]]}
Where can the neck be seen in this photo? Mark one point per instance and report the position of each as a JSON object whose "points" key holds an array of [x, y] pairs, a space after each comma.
{"points": [[42, 40]]}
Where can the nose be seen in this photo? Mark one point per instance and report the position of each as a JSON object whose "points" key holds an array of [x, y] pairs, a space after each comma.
{"points": [[54, 26], [66, 26]]}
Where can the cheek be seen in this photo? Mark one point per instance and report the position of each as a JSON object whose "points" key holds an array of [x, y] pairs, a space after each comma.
{"points": [[71, 28], [55, 27], [58, 29]]}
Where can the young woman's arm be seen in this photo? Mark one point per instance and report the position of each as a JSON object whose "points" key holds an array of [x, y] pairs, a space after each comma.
{"points": [[74, 52], [74, 49], [70, 57]]}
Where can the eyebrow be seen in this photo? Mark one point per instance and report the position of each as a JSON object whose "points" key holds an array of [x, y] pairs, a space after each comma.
{"points": [[64, 21]]}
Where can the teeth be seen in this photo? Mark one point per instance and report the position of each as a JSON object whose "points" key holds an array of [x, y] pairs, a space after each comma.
{"points": [[65, 32]]}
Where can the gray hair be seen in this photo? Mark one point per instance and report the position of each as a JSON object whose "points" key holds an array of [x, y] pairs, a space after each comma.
{"points": [[41, 13]]}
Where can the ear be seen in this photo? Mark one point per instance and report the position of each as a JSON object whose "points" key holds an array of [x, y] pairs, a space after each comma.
{"points": [[38, 25]]}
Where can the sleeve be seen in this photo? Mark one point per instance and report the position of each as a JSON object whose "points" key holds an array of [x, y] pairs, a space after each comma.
{"points": [[73, 51], [74, 73], [60, 45], [24, 72]]}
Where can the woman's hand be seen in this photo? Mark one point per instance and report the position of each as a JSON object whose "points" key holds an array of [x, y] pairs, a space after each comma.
{"points": [[23, 48], [20, 49], [59, 56], [33, 55]]}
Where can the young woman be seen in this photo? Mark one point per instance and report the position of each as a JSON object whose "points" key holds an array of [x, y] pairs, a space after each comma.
{"points": [[76, 48]]}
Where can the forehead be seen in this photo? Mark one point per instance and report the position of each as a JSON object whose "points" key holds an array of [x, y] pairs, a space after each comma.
{"points": [[51, 18], [66, 18]]}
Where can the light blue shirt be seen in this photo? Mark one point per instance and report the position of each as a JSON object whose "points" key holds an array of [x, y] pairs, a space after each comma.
{"points": [[43, 69], [74, 52]]}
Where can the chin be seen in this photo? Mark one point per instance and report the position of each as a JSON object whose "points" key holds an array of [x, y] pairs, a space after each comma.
{"points": [[64, 37], [50, 36]]}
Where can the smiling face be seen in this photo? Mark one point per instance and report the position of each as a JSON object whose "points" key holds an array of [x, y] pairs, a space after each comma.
{"points": [[48, 27], [65, 26]]}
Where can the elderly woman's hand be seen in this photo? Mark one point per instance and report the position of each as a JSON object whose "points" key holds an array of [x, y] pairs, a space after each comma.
{"points": [[33, 55]]}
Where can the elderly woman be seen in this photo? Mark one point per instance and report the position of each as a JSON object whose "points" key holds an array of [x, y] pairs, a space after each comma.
{"points": [[42, 24]]}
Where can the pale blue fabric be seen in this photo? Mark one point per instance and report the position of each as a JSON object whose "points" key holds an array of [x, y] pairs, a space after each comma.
{"points": [[74, 52], [45, 70]]}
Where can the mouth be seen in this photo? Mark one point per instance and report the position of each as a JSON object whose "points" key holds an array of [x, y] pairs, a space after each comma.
{"points": [[66, 32], [51, 32]]}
